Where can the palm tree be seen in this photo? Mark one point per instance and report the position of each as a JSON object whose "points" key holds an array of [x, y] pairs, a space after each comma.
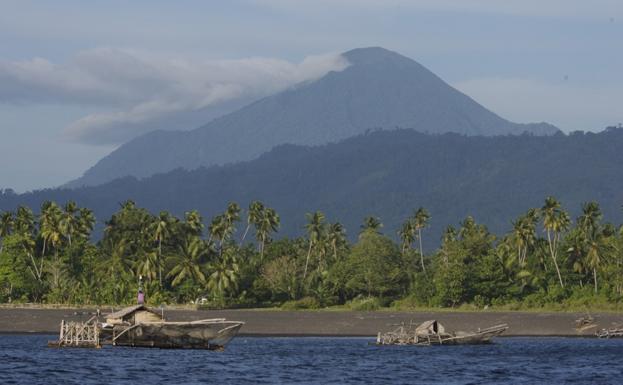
{"points": [[227, 226], [86, 222], [69, 224], [118, 264], [449, 235], [28, 244], [232, 214], [220, 229], [420, 221], [373, 224], [315, 229], [268, 222], [50, 226], [161, 231], [147, 266], [24, 220], [588, 222], [224, 273], [194, 222], [188, 261], [524, 234], [596, 242], [216, 228], [6, 225], [596, 250], [555, 221], [407, 234], [256, 208], [336, 236]]}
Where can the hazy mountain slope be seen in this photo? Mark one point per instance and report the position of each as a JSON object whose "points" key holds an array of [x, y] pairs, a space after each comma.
{"points": [[380, 89], [388, 174]]}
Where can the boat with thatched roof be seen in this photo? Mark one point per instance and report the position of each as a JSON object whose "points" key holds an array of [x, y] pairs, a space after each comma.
{"points": [[434, 333], [141, 326]]}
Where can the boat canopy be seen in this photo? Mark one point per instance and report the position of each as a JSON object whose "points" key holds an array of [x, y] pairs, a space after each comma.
{"points": [[133, 314], [430, 327]]}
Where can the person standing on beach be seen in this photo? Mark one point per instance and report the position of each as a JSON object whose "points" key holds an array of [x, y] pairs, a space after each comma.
{"points": [[141, 295]]}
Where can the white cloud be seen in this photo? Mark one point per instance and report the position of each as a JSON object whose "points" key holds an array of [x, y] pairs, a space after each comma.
{"points": [[575, 9], [139, 92], [568, 106]]}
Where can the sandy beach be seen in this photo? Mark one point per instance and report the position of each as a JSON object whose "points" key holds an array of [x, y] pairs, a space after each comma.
{"points": [[328, 323]]}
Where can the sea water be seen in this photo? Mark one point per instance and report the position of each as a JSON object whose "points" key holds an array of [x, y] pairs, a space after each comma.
{"points": [[25, 359]]}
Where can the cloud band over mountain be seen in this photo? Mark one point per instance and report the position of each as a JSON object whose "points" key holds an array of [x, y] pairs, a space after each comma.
{"points": [[138, 92]]}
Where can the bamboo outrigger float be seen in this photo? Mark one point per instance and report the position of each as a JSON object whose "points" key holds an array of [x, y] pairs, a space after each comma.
{"points": [[433, 333], [140, 326]]}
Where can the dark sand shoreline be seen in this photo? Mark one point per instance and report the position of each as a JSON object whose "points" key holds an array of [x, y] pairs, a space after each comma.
{"points": [[328, 322]]}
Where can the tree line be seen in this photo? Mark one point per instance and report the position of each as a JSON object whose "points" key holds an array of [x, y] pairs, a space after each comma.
{"points": [[238, 261]]}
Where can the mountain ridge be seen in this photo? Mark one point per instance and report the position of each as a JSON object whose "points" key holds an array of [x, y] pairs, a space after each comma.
{"points": [[380, 89]]}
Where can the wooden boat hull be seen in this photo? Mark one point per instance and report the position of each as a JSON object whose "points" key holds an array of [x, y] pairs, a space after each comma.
{"points": [[427, 337], [208, 334]]}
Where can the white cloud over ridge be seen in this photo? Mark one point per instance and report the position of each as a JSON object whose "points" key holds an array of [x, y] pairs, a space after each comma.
{"points": [[138, 92]]}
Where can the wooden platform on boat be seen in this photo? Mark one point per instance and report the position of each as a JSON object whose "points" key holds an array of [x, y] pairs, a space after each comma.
{"points": [[78, 335]]}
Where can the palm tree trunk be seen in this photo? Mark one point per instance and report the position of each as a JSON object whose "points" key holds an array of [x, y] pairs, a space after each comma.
{"points": [[307, 260], [37, 272], [551, 250], [245, 233], [595, 279], [524, 257], [262, 244], [421, 251], [558, 272], [160, 261]]}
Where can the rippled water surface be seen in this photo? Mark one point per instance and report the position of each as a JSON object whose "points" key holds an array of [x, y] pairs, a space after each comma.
{"points": [[27, 360]]}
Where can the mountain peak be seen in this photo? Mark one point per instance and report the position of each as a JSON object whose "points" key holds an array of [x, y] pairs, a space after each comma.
{"points": [[381, 89], [373, 55]]}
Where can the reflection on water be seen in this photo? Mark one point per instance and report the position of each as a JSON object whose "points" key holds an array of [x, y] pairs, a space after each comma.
{"points": [[27, 360]]}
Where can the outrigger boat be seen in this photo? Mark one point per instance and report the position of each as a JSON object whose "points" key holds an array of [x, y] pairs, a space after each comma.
{"points": [[433, 333], [140, 326]]}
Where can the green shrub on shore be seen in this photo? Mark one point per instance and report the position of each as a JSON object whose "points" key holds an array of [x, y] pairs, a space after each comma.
{"points": [[364, 304], [306, 303]]}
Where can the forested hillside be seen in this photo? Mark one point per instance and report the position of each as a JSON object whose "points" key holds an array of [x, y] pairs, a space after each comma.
{"points": [[385, 174]]}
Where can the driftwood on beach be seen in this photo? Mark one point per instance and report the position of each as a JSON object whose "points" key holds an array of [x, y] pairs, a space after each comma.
{"points": [[610, 333], [433, 333]]}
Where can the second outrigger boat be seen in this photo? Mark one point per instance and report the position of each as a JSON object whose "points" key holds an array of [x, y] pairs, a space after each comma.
{"points": [[433, 333]]}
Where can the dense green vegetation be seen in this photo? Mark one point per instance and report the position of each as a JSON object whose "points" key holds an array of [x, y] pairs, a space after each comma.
{"points": [[384, 174], [548, 257]]}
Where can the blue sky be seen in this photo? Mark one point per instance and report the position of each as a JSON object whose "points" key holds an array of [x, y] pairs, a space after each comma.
{"points": [[79, 78]]}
